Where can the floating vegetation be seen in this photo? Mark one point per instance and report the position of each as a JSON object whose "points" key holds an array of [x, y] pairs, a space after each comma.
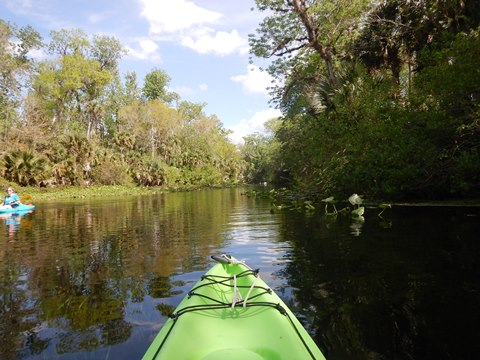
{"points": [[332, 201], [356, 201], [283, 199], [384, 207]]}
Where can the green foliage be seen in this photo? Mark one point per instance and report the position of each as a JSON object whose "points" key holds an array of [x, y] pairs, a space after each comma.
{"points": [[449, 74], [401, 119], [25, 168], [194, 149], [203, 175], [71, 86], [260, 154], [294, 31], [107, 50], [92, 128], [390, 107], [330, 201], [356, 201], [371, 141], [448, 88], [257, 153], [150, 173], [4, 183], [174, 177], [156, 87], [15, 66], [395, 31], [68, 42], [109, 169], [190, 111]]}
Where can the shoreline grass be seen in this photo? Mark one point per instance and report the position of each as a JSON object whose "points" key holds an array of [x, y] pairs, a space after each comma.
{"points": [[77, 192], [34, 194]]}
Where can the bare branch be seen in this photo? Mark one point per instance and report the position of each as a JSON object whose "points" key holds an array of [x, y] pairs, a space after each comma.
{"points": [[288, 50]]}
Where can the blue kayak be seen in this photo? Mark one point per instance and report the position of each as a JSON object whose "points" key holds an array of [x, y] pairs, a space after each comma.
{"points": [[17, 209]]}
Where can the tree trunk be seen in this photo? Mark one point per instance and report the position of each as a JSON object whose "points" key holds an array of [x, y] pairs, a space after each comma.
{"points": [[301, 9]]}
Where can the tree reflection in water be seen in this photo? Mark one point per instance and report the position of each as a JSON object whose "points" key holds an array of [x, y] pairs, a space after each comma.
{"points": [[97, 278], [407, 291]]}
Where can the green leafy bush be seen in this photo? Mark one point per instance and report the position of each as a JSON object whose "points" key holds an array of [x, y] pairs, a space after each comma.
{"points": [[25, 168]]}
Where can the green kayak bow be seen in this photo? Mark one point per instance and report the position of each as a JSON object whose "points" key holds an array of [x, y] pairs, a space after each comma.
{"points": [[231, 313]]}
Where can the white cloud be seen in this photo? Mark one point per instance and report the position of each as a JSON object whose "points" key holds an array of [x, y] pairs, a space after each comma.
{"points": [[222, 43], [145, 49], [253, 125], [255, 80], [166, 16], [190, 25]]}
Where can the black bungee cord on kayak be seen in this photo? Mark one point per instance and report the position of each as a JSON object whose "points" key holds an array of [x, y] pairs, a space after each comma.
{"points": [[225, 281]]}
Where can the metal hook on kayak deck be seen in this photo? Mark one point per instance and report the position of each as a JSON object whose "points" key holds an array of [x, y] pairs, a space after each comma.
{"points": [[228, 259], [222, 259]]}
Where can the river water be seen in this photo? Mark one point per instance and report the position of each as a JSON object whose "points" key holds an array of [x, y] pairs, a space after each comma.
{"points": [[96, 279]]}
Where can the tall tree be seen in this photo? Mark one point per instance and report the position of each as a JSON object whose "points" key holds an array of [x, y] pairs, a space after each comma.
{"points": [[396, 30], [132, 91], [191, 111], [296, 29], [107, 50], [156, 87], [260, 152], [71, 89], [15, 65], [68, 42], [73, 85], [154, 126]]}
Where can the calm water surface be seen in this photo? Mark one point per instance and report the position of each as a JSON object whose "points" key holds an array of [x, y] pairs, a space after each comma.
{"points": [[96, 279]]}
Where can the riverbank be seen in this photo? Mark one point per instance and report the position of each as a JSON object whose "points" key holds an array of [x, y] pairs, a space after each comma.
{"points": [[36, 195]]}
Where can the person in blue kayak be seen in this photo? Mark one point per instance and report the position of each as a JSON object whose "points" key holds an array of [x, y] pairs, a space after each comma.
{"points": [[11, 200]]}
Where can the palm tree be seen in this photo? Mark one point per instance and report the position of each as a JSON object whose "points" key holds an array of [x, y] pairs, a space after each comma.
{"points": [[24, 168]]}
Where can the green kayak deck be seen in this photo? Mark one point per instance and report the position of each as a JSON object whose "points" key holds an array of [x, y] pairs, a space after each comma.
{"points": [[231, 313]]}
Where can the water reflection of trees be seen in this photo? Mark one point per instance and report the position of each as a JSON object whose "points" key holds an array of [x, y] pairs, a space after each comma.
{"points": [[96, 259], [407, 294]]}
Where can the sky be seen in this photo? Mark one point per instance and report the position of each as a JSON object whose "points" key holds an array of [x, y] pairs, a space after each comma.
{"points": [[201, 44]]}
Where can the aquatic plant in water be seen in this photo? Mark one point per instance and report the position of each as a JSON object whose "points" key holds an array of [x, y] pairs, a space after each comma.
{"points": [[330, 200], [356, 201]]}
